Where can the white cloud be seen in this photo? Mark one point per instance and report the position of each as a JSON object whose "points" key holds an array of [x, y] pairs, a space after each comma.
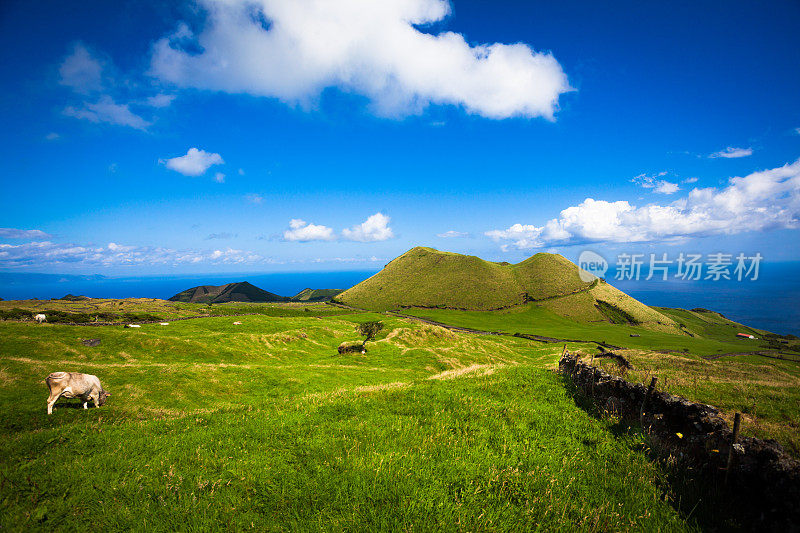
{"points": [[294, 49], [219, 177], [453, 234], [730, 153], [690, 180], [797, 131], [47, 253], [666, 187], [14, 233], [652, 182], [760, 201], [107, 110], [254, 198], [52, 136], [81, 71], [160, 100], [375, 228], [302, 231], [194, 163]]}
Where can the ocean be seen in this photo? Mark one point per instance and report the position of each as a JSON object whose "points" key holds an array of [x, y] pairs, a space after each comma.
{"points": [[771, 302]]}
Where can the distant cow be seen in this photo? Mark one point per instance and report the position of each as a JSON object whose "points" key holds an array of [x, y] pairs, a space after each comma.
{"points": [[40, 318], [75, 385]]}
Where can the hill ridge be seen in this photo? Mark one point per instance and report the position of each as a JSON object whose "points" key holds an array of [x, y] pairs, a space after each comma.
{"points": [[242, 291], [428, 278]]}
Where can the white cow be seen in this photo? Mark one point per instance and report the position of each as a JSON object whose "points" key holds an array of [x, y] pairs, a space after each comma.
{"points": [[40, 318], [75, 385]]}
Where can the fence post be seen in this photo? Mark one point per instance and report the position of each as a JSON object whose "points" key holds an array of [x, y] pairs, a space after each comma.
{"points": [[737, 420], [646, 399]]}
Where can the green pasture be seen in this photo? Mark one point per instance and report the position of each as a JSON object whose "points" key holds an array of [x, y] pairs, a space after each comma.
{"points": [[265, 426]]}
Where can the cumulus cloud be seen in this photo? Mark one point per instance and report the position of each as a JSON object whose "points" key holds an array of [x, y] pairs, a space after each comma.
{"points": [[453, 234], [194, 163], [48, 253], [666, 187], [690, 180], [219, 177], [294, 49], [375, 228], [731, 153], [302, 231], [760, 201], [14, 233], [658, 185], [107, 110], [81, 70]]}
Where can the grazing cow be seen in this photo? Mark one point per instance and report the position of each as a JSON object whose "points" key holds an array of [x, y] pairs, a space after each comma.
{"points": [[132, 326], [40, 318], [75, 385]]}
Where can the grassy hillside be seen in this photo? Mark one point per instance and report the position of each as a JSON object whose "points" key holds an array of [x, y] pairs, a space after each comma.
{"points": [[265, 426], [315, 295], [427, 278]]}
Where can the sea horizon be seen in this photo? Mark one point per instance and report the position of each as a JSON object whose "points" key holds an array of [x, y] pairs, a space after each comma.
{"points": [[769, 303]]}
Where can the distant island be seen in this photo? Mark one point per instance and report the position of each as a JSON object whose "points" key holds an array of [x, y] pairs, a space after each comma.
{"points": [[244, 291]]}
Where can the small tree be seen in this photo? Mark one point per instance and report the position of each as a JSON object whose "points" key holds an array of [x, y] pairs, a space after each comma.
{"points": [[369, 330]]}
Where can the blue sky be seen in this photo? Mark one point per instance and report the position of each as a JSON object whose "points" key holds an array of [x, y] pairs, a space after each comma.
{"points": [[153, 137]]}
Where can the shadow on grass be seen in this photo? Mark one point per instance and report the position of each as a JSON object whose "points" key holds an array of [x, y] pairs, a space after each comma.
{"points": [[700, 498]]}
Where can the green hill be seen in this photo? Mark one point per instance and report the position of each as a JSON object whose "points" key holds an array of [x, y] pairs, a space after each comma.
{"points": [[231, 292], [315, 295], [74, 298], [424, 277]]}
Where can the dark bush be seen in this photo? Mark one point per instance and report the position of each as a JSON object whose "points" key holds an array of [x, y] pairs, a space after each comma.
{"points": [[15, 314]]}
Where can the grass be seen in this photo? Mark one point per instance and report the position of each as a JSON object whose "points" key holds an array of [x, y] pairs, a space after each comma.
{"points": [[766, 389], [265, 426], [535, 319]]}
